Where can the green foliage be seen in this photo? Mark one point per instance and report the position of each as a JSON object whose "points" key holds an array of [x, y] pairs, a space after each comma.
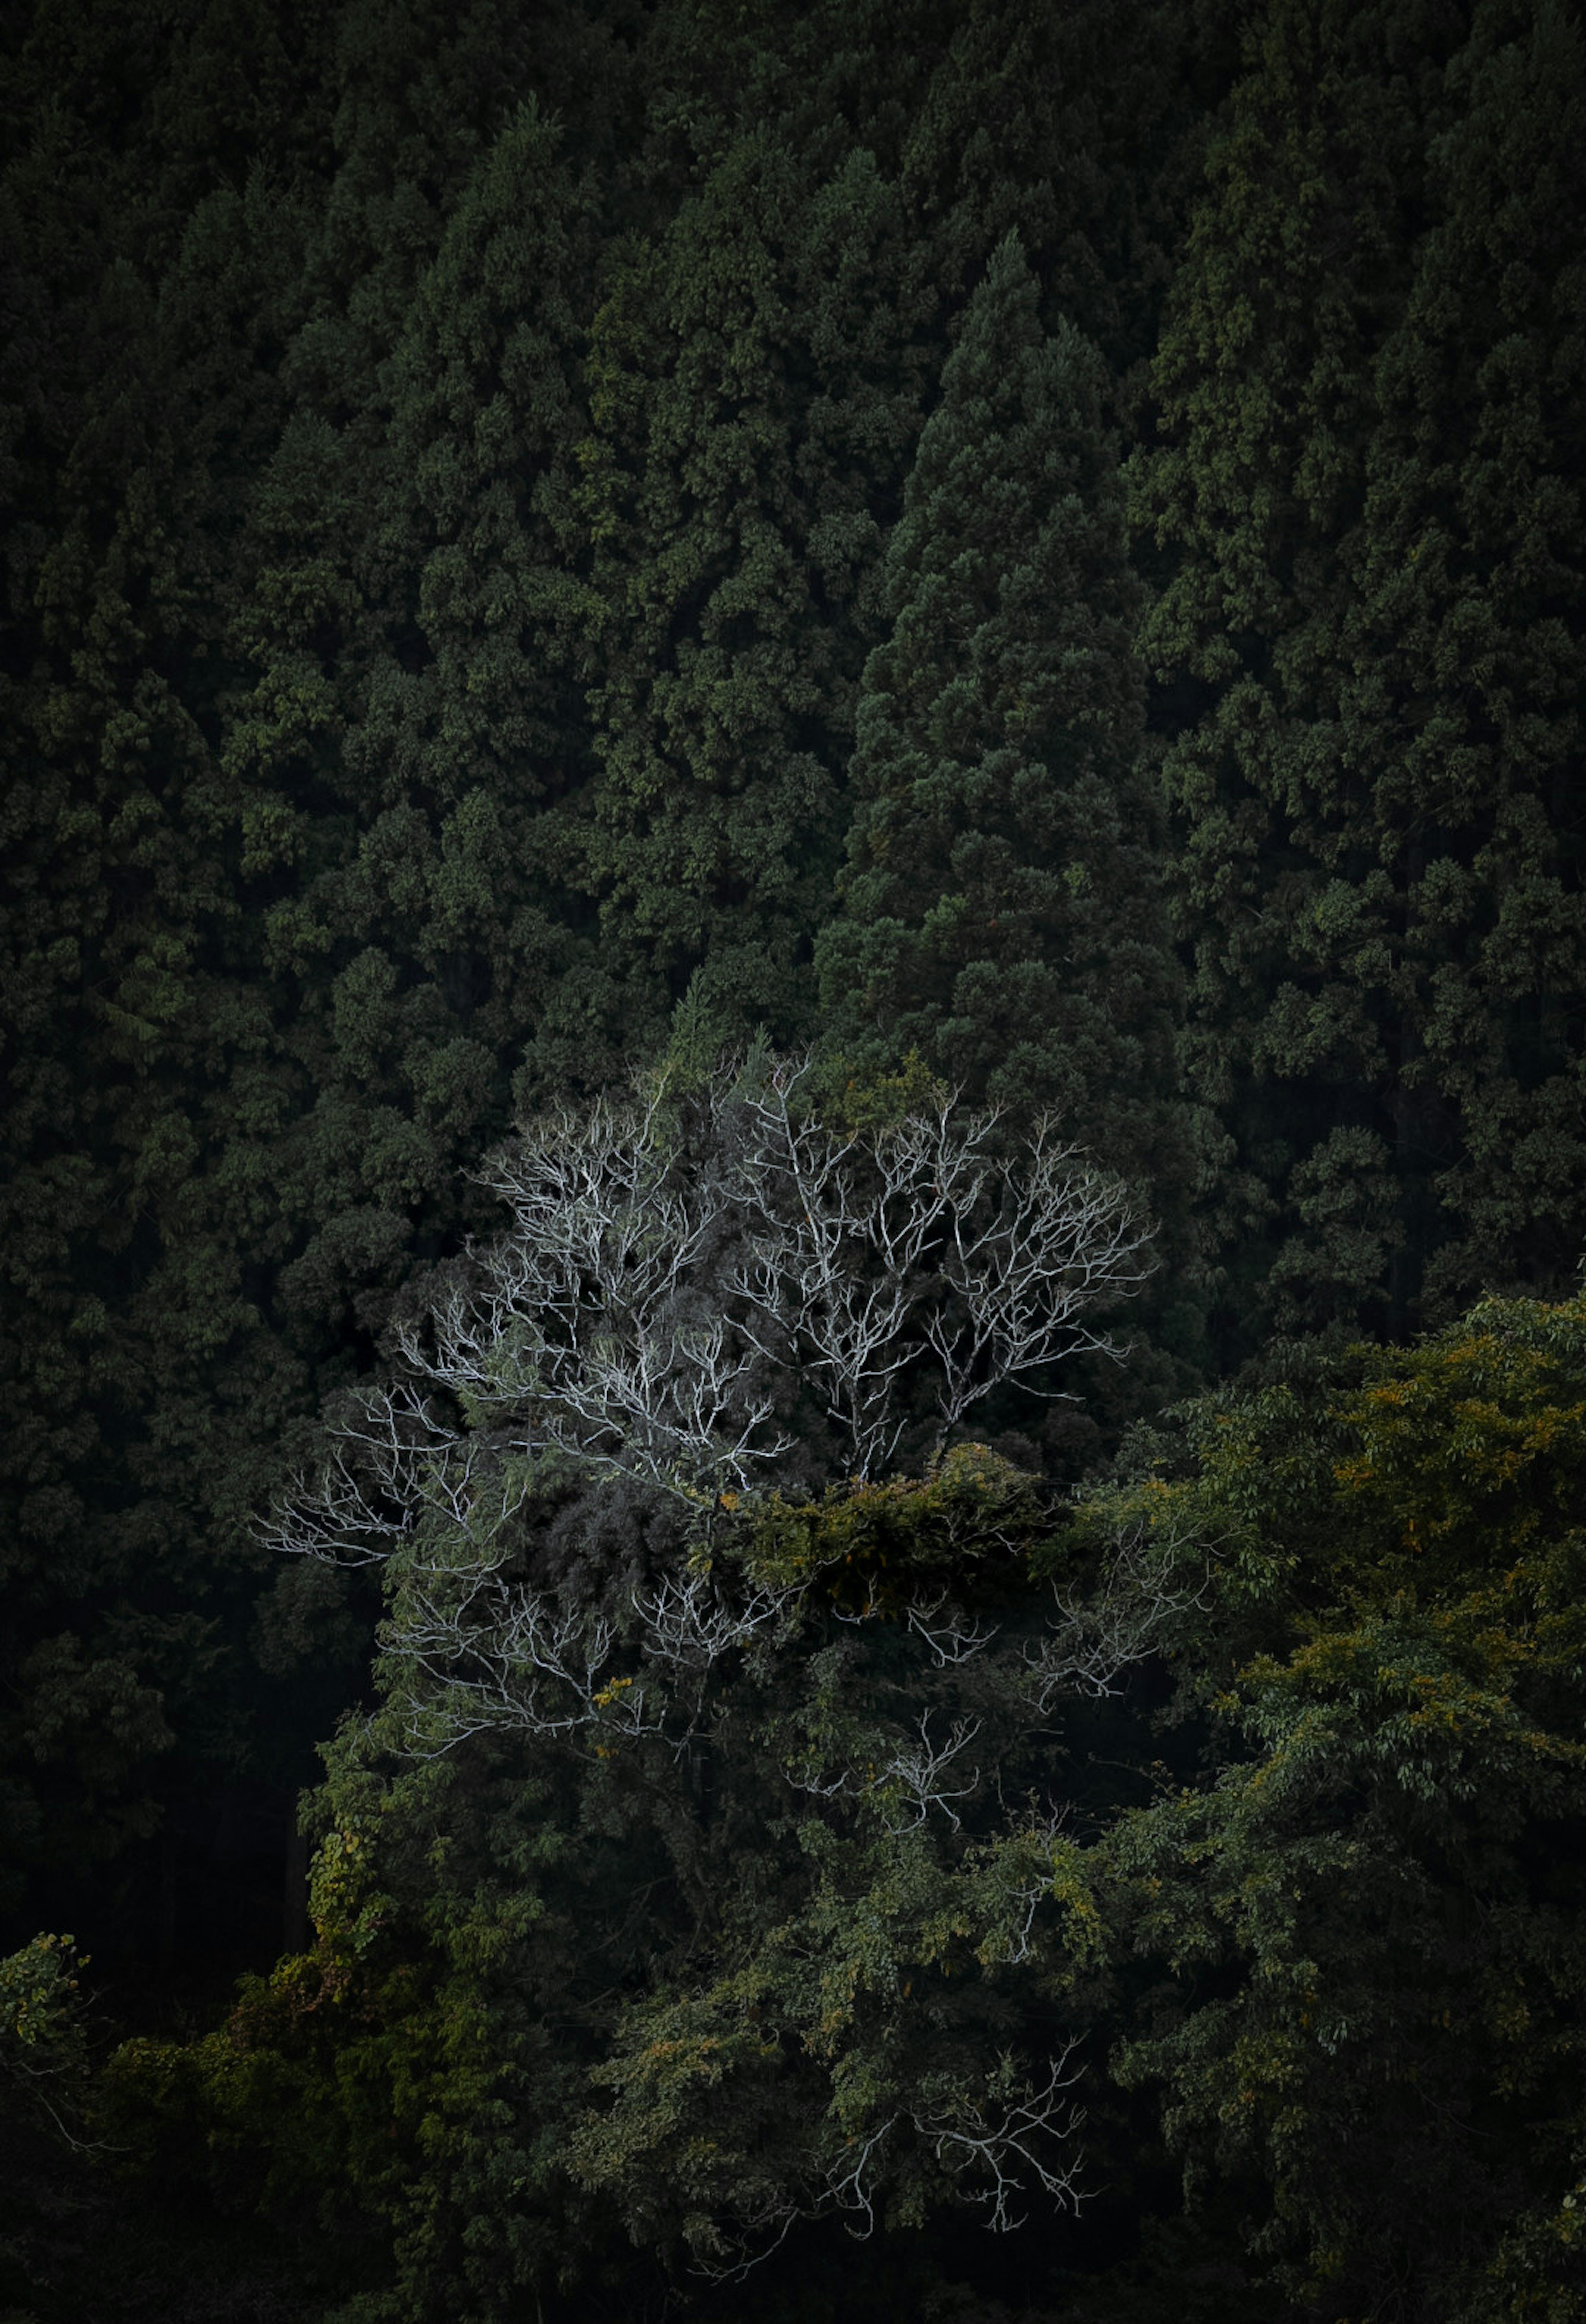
{"points": [[870, 1547], [530, 533], [335, 2085], [880, 1101], [1369, 1923], [753, 375], [730, 1902], [43, 2033]]}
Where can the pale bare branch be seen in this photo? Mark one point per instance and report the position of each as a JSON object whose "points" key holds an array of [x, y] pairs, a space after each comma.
{"points": [[1102, 1634], [949, 1633], [671, 1283], [1007, 2140], [915, 1780]]}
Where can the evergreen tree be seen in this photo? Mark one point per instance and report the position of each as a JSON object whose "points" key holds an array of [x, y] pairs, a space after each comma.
{"points": [[1073, 128], [999, 909], [240, 1050], [753, 376], [1465, 637], [403, 732], [134, 395]]}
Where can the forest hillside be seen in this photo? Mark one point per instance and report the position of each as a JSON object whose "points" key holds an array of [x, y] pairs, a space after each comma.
{"points": [[793, 1084]]}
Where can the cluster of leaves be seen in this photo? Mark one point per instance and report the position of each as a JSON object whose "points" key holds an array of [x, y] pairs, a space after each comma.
{"points": [[43, 2035], [1371, 1916]]}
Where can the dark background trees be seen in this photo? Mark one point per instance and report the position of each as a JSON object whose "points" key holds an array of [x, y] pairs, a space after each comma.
{"points": [[1371, 617]]}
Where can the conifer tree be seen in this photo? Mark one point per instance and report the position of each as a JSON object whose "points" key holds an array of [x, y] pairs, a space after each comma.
{"points": [[419, 928], [754, 380], [998, 911], [233, 1054]]}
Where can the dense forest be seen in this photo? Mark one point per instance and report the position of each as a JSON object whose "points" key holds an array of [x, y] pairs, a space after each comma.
{"points": [[793, 1041]]}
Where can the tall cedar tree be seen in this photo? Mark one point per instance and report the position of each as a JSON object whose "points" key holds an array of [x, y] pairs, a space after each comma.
{"points": [[405, 719], [754, 381], [999, 912]]}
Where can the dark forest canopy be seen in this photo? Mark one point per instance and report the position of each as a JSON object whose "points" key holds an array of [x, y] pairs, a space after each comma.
{"points": [[1020, 555]]}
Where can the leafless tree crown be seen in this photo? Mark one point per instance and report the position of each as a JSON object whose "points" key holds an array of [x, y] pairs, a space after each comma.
{"points": [[668, 1286], [658, 1293]]}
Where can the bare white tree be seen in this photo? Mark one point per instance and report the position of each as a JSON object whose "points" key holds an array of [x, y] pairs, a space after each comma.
{"points": [[658, 1297], [673, 1277], [661, 1295]]}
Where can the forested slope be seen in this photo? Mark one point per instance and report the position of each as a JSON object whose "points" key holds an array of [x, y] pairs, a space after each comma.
{"points": [[1028, 551]]}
